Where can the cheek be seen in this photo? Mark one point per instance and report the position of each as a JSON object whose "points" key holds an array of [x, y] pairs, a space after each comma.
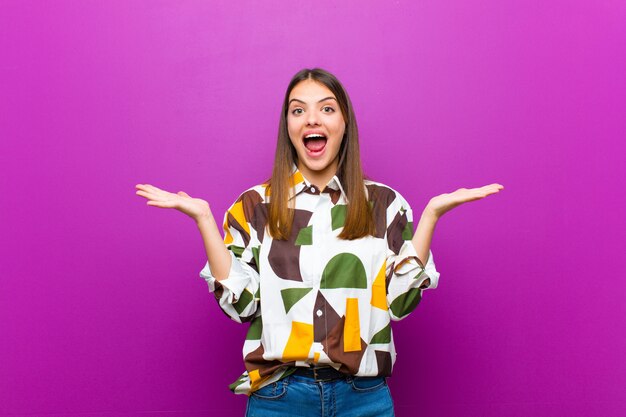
{"points": [[340, 126], [292, 129], [336, 145], [291, 136], [341, 130], [295, 144]]}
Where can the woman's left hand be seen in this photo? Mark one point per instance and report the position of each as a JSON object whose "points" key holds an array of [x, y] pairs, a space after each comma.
{"points": [[441, 204]]}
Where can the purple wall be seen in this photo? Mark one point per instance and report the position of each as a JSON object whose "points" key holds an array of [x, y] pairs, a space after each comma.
{"points": [[102, 311]]}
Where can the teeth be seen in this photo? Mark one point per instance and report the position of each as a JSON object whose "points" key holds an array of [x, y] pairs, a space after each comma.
{"points": [[314, 135]]}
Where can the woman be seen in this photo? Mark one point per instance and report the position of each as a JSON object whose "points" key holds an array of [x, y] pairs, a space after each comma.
{"points": [[319, 260]]}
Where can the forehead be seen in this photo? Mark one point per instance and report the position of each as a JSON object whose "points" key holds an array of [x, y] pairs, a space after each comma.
{"points": [[310, 90]]}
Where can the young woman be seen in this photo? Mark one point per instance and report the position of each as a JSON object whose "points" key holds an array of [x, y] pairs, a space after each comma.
{"points": [[319, 260]]}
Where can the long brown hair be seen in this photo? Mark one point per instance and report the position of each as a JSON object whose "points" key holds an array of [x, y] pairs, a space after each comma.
{"points": [[359, 221]]}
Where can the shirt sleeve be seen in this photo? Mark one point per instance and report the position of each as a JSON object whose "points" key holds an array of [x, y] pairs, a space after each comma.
{"points": [[238, 294], [406, 274]]}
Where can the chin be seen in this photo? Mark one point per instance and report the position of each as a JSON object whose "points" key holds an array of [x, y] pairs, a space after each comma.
{"points": [[316, 166]]}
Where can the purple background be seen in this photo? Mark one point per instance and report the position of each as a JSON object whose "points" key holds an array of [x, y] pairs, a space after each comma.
{"points": [[102, 311]]}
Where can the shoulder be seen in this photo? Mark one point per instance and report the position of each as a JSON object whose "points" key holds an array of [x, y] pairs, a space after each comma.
{"points": [[248, 211], [252, 196], [382, 194]]}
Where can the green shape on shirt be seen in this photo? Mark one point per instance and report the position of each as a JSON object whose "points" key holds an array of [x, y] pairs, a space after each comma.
{"points": [[238, 382], [419, 275], [338, 216], [383, 336], [344, 271], [237, 250], [244, 299], [257, 295], [305, 236], [292, 296], [405, 303], [407, 233], [255, 329], [255, 254]]}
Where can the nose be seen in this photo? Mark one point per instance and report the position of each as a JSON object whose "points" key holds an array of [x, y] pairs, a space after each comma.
{"points": [[312, 119]]}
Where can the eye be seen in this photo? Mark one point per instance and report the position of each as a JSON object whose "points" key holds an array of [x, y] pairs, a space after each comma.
{"points": [[297, 110], [328, 109]]}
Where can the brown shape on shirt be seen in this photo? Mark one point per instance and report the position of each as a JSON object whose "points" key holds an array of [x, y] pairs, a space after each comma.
{"points": [[334, 194], [381, 198], [219, 290], [383, 360], [250, 200], [259, 220], [334, 348], [284, 255], [328, 320], [394, 232], [254, 360], [232, 222]]}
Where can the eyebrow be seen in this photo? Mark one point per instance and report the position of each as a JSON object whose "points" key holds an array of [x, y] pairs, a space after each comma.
{"points": [[324, 99]]}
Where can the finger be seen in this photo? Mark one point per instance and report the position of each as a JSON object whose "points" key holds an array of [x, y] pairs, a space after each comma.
{"points": [[494, 188], [471, 191], [484, 192], [154, 189], [485, 189], [161, 204], [145, 187], [464, 195], [148, 194], [159, 193], [144, 194], [475, 194], [154, 197]]}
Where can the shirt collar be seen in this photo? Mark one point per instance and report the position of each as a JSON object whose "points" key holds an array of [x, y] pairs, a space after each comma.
{"points": [[300, 183]]}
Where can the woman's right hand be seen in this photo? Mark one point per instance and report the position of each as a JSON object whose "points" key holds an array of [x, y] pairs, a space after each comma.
{"points": [[195, 208]]}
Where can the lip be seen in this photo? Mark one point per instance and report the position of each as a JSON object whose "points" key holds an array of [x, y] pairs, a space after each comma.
{"points": [[310, 132]]}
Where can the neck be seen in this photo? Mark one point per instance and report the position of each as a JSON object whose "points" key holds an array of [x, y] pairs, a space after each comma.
{"points": [[319, 178]]}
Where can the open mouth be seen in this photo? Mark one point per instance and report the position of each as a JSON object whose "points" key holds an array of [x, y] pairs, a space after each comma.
{"points": [[315, 143]]}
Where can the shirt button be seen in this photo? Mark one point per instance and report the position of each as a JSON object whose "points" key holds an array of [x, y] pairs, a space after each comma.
{"points": [[319, 313], [312, 189]]}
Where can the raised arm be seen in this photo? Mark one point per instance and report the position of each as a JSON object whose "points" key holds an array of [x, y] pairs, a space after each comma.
{"points": [[230, 271], [440, 205], [218, 256]]}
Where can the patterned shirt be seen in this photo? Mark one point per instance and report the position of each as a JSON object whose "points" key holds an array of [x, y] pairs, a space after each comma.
{"points": [[315, 299]]}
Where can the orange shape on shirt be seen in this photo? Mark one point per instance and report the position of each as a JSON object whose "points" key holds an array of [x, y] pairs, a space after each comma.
{"points": [[299, 343], [379, 293], [352, 328]]}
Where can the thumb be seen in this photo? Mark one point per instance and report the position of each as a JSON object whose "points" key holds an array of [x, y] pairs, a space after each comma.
{"points": [[182, 193]]}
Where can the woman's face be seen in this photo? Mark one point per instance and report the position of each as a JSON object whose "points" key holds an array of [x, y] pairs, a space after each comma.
{"points": [[316, 127]]}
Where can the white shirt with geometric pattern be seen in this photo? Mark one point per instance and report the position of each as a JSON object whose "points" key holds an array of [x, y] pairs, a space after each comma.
{"points": [[316, 300]]}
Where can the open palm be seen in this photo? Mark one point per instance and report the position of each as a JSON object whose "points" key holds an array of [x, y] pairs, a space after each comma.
{"points": [[181, 201], [443, 203]]}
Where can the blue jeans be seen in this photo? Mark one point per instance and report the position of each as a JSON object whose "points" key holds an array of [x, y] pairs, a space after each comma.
{"points": [[299, 396]]}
